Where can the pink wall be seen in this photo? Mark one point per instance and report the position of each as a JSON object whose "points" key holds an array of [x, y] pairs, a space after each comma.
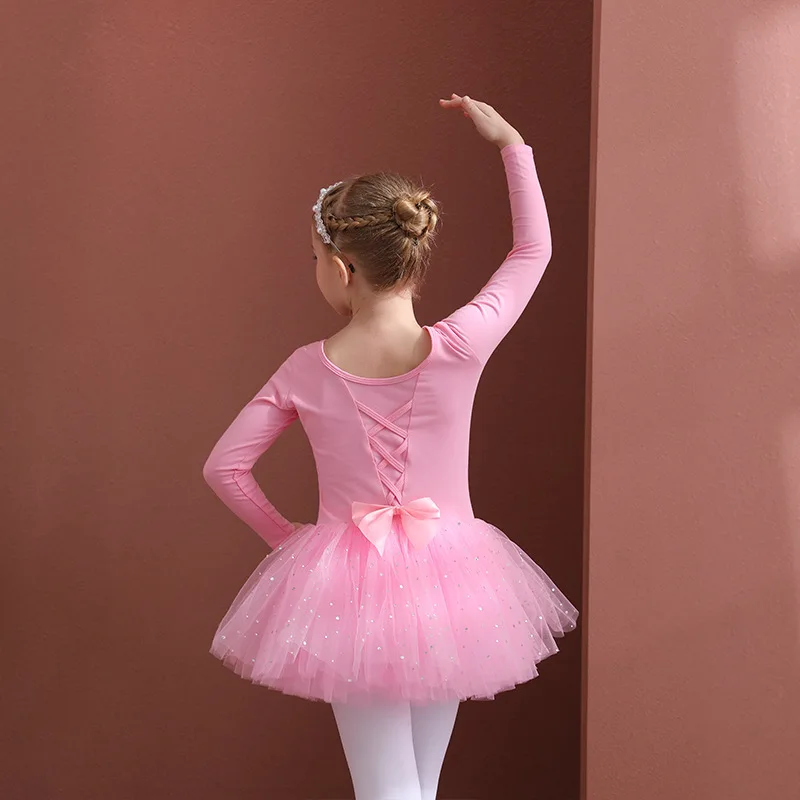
{"points": [[694, 540]]}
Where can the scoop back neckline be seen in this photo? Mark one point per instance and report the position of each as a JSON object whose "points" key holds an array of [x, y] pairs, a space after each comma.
{"points": [[390, 379]]}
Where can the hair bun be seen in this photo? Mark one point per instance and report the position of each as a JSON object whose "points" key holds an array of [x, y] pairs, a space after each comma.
{"points": [[412, 214]]}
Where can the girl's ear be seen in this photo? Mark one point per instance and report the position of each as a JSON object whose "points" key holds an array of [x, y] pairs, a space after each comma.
{"points": [[342, 271]]}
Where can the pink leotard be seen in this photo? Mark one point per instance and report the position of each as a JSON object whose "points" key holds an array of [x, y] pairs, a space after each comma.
{"points": [[391, 445]]}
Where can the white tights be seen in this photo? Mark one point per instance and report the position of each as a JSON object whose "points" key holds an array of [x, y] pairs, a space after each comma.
{"points": [[395, 750]]}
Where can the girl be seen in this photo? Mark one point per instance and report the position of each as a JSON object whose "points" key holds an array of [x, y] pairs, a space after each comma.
{"points": [[397, 603]]}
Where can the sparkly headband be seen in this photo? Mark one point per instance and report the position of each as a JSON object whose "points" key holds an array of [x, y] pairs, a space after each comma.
{"points": [[317, 207], [321, 229]]}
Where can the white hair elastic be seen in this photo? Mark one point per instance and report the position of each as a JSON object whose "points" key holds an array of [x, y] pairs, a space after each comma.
{"points": [[321, 229], [317, 207]]}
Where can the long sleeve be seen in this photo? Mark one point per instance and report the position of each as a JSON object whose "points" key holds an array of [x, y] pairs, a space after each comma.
{"points": [[480, 325], [228, 469]]}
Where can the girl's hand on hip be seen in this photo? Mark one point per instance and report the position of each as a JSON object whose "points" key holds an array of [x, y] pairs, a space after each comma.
{"points": [[488, 122]]}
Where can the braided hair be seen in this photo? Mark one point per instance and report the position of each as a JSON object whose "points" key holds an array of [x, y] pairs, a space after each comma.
{"points": [[386, 224]]}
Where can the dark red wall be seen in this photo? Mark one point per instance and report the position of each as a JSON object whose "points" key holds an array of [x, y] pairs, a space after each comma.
{"points": [[160, 163]]}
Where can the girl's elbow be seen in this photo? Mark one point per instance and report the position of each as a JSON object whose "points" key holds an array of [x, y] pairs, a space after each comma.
{"points": [[211, 471], [547, 250]]}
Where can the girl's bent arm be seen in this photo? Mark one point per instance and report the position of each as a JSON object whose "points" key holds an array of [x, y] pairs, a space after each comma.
{"points": [[228, 469]]}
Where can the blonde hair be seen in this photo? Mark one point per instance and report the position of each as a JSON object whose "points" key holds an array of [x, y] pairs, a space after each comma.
{"points": [[387, 224]]}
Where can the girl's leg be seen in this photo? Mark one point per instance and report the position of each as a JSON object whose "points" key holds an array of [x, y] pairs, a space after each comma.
{"points": [[379, 747], [431, 726]]}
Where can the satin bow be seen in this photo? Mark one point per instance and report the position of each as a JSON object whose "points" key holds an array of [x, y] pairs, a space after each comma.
{"points": [[416, 518]]}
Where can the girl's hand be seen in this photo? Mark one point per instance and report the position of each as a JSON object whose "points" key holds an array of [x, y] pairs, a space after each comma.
{"points": [[298, 525], [489, 123]]}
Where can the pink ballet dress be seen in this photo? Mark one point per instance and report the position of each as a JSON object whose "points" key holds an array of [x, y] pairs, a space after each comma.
{"points": [[398, 590]]}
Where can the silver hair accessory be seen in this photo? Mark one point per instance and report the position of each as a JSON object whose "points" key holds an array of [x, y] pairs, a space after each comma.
{"points": [[321, 229], [317, 207]]}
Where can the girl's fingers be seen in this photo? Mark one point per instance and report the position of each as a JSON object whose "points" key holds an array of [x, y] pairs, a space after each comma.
{"points": [[485, 108], [477, 105], [454, 104], [466, 102]]}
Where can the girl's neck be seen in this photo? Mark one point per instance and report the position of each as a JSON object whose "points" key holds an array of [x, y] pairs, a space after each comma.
{"points": [[382, 311]]}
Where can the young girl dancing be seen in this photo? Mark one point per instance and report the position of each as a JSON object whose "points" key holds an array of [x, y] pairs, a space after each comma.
{"points": [[397, 603]]}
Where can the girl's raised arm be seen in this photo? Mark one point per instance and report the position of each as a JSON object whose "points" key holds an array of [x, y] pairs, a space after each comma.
{"points": [[480, 325]]}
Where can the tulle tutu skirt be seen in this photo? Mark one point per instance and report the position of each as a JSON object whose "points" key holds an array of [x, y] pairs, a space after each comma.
{"points": [[324, 616]]}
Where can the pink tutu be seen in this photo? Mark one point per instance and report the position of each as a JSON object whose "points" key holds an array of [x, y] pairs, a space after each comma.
{"points": [[326, 617]]}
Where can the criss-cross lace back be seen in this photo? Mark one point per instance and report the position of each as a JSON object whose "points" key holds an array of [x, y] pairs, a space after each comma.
{"points": [[388, 441]]}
